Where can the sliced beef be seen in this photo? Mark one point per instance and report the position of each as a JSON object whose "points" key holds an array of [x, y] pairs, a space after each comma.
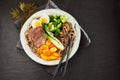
{"points": [[35, 37]]}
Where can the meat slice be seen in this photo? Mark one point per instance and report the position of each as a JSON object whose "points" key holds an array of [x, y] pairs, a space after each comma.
{"points": [[35, 37]]}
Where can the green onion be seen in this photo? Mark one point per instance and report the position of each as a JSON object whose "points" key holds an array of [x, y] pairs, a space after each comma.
{"points": [[55, 41]]}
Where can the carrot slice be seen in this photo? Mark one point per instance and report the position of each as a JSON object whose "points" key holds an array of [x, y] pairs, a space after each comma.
{"points": [[52, 57], [44, 47], [39, 51], [53, 49], [44, 57], [46, 52], [48, 43], [56, 54], [50, 46]]}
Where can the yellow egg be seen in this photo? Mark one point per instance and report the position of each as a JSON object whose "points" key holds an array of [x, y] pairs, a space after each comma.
{"points": [[44, 19], [36, 23]]}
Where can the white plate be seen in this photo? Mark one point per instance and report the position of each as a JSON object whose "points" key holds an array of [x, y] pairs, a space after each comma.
{"points": [[25, 27]]}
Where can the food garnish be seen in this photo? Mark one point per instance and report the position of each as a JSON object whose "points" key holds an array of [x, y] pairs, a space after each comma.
{"points": [[55, 41]]}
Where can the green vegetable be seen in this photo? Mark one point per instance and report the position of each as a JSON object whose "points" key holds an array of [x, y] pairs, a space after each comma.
{"points": [[59, 25], [55, 24], [50, 24], [53, 28], [63, 18], [55, 41], [56, 16], [44, 25], [51, 18], [57, 32]]}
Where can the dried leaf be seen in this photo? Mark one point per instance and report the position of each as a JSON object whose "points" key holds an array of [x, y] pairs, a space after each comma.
{"points": [[25, 11], [22, 5], [15, 14], [30, 6]]}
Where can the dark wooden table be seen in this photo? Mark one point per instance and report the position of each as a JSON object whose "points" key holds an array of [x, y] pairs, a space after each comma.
{"points": [[99, 61]]}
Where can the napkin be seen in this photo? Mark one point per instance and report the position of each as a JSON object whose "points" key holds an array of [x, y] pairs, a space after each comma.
{"points": [[85, 40]]}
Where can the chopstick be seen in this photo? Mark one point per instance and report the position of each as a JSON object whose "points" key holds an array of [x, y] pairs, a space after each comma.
{"points": [[67, 53], [70, 44], [67, 58], [58, 67]]}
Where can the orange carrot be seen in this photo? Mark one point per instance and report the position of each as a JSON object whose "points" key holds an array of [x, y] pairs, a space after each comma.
{"points": [[48, 51], [56, 54], [52, 57], [44, 57], [48, 43], [44, 47], [53, 49], [52, 45]]}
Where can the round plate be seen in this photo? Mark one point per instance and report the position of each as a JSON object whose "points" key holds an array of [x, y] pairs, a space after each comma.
{"points": [[26, 26]]}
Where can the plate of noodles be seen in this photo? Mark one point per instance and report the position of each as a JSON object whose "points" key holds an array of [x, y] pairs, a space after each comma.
{"points": [[45, 36]]}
